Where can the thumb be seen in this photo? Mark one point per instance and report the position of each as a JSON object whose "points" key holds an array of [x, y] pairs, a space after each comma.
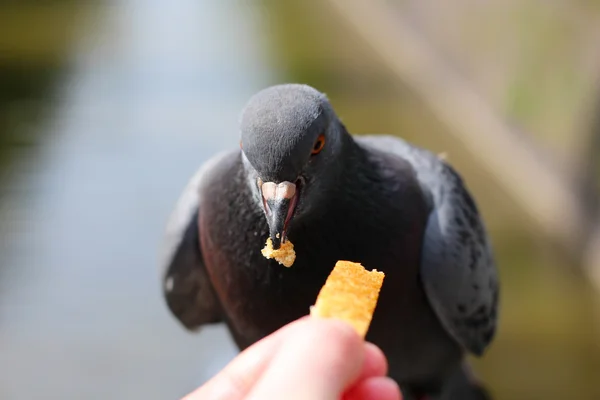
{"points": [[319, 360]]}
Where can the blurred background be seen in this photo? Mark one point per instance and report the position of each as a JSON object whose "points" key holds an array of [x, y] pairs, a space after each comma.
{"points": [[107, 108]]}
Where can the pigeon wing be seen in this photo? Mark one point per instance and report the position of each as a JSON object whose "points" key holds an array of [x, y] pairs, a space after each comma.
{"points": [[458, 271], [186, 286]]}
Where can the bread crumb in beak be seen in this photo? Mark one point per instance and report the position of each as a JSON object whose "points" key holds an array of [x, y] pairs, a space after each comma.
{"points": [[285, 255]]}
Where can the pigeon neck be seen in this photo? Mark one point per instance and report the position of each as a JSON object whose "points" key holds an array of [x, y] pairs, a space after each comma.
{"points": [[350, 148], [351, 169], [355, 160]]}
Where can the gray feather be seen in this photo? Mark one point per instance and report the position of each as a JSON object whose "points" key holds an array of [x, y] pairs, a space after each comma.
{"points": [[457, 266], [186, 285]]}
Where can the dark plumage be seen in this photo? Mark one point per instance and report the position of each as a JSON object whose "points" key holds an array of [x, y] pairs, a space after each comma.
{"points": [[376, 200]]}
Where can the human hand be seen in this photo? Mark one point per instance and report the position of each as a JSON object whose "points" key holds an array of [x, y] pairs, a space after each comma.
{"points": [[311, 358]]}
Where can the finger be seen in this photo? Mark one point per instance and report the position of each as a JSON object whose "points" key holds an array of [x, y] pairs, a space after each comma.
{"points": [[375, 362], [376, 388], [235, 380], [319, 360]]}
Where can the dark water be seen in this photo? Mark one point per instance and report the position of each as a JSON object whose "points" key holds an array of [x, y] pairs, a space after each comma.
{"points": [[102, 126]]}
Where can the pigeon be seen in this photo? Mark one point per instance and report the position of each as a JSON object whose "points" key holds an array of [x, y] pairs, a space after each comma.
{"points": [[300, 176]]}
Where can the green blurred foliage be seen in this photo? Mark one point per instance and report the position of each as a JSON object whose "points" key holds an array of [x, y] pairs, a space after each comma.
{"points": [[36, 40], [537, 62]]}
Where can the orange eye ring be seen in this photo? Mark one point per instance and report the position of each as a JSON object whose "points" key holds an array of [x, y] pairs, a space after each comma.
{"points": [[319, 144]]}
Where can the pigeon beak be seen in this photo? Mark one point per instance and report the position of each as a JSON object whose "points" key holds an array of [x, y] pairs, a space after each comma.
{"points": [[279, 202]]}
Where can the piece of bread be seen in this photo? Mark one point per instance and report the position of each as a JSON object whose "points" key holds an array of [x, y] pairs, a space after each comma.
{"points": [[350, 294], [284, 255]]}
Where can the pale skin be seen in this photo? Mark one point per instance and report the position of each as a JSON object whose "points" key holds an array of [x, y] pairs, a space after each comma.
{"points": [[311, 358]]}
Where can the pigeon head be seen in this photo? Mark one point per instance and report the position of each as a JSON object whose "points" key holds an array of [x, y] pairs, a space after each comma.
{"points": [[291, 142]]}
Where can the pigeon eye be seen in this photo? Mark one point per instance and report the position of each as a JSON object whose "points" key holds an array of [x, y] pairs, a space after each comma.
{"points": [[319, 144]]}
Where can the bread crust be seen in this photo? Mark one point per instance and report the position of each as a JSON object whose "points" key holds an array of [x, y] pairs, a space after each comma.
{"points": [[350, 294]]}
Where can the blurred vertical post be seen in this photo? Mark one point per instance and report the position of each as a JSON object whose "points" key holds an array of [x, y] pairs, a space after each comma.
{"points": [[589, 172]]}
